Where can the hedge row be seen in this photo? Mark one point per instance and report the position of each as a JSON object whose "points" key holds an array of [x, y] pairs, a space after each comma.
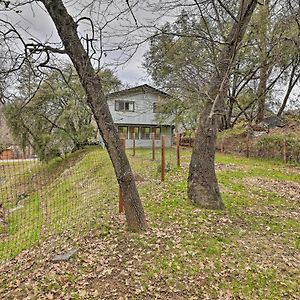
{"points": [[270, 146]]}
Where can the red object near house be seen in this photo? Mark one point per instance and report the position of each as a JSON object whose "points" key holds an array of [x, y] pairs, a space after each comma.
{"points": [[6, 154]]}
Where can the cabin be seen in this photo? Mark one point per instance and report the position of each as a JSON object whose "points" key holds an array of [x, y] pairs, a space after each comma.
{"points": [[134, 111]]}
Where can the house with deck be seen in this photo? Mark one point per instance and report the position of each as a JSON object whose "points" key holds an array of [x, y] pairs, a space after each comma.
{"points": [[134, 111]]}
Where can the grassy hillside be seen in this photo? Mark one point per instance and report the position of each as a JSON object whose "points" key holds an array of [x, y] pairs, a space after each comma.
{"points": [[279, 143], [47, 199], [251, 250]]}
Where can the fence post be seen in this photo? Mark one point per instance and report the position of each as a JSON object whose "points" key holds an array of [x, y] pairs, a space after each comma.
{"points": [[178, 149], [153, 145], [285, 158], [133, 144], [121, 198], [222, 146], [247, 146], [163, 157]]}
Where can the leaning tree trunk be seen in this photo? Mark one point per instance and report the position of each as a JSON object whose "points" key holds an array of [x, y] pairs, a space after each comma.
{"points": [[67, 30], [203, 189], [292, 82]]}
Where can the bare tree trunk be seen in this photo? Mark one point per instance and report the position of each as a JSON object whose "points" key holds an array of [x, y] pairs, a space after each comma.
{"points": [[231, 103], [203, 189], [67, 30], [261, 93], [264, 70], [291, 85], [232, 97]]}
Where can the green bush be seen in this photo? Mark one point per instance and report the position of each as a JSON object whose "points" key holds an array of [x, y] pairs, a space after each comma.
{"points": [[1, 147], [272, 146]]}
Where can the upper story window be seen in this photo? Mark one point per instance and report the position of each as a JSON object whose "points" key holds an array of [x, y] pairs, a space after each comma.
{"points": [[124, 105]]}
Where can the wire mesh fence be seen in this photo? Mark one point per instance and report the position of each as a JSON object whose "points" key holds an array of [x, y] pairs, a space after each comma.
{"points": [[284, 147], [39, 200]]}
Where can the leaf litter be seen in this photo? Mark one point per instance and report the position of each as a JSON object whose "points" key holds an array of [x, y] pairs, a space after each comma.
{"points": [[188, 253]]}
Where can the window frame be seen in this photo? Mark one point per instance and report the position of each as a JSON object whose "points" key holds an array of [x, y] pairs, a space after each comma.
{"points": [[123, 102], [121, 134], [142, 133], [137, 136], [154, 107], [153, 130]]}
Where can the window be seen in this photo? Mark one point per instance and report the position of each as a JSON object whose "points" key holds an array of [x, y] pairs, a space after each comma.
{"points": [[157, 132], [123, 131], [133, 130], [145, 133], [124, 105]]}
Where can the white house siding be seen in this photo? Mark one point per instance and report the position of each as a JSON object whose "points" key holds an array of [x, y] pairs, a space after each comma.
{"points": [[143, 113], [142, 116]]}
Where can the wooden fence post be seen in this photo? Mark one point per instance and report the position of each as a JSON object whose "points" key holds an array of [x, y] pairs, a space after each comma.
{"points": [[121, 198], [178, 149], [163, 157], [247, 146], [133, 144], [222, 146], [153, 145], [285, 158]]}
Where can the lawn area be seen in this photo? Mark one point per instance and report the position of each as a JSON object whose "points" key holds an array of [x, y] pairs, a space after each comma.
{"points": [[251, 250], [42, 200]]}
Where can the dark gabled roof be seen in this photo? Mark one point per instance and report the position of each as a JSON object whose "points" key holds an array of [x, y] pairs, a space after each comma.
{"points": [[138, 89]]}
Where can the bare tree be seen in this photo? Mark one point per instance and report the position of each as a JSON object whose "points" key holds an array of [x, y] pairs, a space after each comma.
{"points": [[294, 78], [263, 53], [203, 189], [73, 47]]}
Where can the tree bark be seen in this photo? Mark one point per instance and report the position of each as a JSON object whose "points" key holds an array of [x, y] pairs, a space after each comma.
{"points": [[203, 189], [262, 93], [291, 85], [264, 69], [67, 30]]}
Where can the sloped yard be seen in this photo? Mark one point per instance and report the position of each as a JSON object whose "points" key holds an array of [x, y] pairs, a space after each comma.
{"points": [[251, 250]]}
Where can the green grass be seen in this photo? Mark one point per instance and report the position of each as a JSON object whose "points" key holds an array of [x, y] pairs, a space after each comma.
{"points": [[15, 180], [259, 167], [62, 195], [24, 228], [247, 251], [199, 243]]}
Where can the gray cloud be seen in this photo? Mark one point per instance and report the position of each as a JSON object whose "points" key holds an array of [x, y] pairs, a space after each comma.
{"points": [[34, 22]]}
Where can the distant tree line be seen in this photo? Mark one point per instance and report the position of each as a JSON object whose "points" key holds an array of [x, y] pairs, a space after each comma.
{"points": [[50, 114], [182, 58], [221, 59]]}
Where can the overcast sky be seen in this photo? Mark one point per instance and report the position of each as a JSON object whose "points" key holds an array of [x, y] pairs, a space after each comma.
{"points": [[36, 23]]}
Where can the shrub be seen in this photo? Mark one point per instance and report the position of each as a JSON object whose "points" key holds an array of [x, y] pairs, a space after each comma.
{"points": [[2, 148], [270, 146]]}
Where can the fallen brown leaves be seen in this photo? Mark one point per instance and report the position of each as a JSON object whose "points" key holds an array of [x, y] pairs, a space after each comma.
{"points": [[188, 253], [286, 189]]}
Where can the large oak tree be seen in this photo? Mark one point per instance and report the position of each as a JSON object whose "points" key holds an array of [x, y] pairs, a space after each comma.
{"points": [[203, 188], [67, 29]]}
